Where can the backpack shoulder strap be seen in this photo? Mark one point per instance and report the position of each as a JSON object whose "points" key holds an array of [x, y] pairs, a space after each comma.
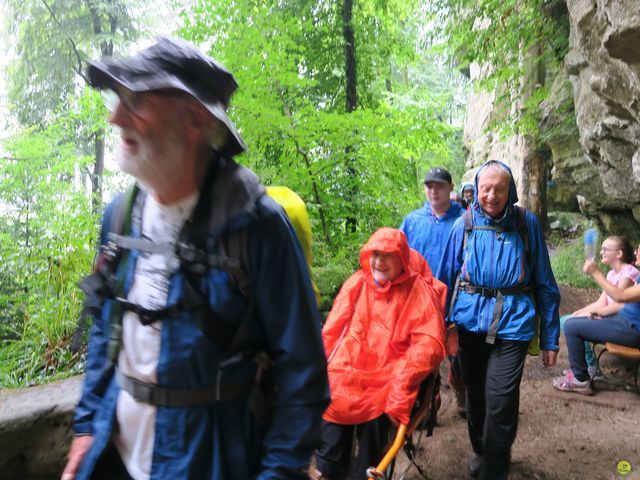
{"points": [[116, 220], [468, 227], [117, 216], [234, 245]]}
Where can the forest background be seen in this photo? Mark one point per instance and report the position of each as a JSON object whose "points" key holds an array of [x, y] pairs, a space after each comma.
{"points": [[346, 102]]}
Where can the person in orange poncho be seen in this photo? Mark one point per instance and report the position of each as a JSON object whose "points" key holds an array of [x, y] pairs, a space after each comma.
{"points": [[384, 335]]}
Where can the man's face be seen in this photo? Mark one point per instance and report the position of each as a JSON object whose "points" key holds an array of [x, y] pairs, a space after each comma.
{"points": [[493, 190], [152, 136], [468, 195], [438, 194], [385, 267]]}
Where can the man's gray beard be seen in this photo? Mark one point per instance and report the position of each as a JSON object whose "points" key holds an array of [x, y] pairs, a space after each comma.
{"points": [[158, 163]]}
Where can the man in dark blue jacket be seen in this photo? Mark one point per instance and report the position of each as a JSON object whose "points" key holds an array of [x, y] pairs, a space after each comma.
{"points": [[499, 281], [205, 358]]}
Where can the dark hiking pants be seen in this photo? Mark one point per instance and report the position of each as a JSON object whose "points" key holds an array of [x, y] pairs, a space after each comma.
{"points": [[492, 375], [336, 445]]}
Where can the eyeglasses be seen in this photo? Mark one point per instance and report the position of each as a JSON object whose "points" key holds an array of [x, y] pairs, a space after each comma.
{"points": [[606, 249], [133, 101], [113, 98]]}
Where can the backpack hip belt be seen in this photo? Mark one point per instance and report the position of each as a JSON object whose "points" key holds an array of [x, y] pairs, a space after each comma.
{"points": [[494, 292], [498, 294], [154, 394]]}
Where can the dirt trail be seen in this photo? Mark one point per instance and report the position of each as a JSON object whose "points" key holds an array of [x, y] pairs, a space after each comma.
{"points": [[560, 435]]}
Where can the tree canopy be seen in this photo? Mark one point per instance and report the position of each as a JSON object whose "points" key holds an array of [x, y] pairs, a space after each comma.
{"points": [[341, 101]]}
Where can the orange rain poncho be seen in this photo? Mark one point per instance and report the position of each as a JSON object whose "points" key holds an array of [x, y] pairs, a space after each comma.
{"points": [[382, 341]]}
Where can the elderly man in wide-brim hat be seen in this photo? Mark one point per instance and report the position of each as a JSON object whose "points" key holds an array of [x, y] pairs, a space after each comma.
{"points": [[205, 359]]}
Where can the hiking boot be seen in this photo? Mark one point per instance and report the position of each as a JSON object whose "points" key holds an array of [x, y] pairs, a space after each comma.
{"points": [[569, 383], [474, 464]]}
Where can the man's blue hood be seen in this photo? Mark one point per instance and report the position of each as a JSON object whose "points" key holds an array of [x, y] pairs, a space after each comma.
{"points": [[513, 193]]}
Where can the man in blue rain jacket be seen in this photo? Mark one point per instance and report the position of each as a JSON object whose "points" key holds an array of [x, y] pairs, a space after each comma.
{"points": [[427, 230], [498, 282], [428, 227], [205, 359]]}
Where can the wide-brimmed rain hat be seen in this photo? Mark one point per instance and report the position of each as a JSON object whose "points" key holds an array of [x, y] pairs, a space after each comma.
{"points": [[173, 63]]}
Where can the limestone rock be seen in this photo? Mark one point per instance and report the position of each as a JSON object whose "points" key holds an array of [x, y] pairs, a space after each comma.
{"points": [[604, 68], [597, 160]]}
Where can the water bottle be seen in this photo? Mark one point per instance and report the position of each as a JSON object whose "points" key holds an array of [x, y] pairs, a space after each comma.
{"points": [[590, 243]]}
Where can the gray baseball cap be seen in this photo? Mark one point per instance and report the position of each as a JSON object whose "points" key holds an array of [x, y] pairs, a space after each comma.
{"points": [[174, 63]]}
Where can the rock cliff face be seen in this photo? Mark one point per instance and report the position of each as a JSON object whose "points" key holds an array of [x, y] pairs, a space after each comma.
{"points": [[600, 164], [604, 68]]}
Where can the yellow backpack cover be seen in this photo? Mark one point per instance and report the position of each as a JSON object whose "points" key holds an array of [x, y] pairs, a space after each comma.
{"points": [[298, 216]]}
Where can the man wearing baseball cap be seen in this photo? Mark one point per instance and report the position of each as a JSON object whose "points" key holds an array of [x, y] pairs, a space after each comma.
{"points": [[205, 359], [427, 230], [428, 227]]}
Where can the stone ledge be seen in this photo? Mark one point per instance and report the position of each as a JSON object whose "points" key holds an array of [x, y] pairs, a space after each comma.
{"points": [[35, 429]]}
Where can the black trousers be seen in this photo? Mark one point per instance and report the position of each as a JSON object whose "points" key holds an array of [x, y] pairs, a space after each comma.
{"points": [[492, 375], [110, 466], [333, 458]]}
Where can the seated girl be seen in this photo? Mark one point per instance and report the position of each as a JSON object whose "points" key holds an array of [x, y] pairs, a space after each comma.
{"points": [[622, 327], [618, 254]]}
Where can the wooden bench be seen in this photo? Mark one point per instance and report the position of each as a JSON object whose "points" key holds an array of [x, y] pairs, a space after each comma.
{"points": [[630, 353]]}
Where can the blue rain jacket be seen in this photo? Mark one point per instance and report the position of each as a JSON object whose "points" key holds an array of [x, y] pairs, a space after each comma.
{"points": [[222, 441], [498, 260], [428, 233]]}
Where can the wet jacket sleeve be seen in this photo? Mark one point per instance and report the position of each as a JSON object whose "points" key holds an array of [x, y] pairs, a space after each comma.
{"points": [[341, 312], [291, 321], [98, 373], [426, 351], [452, 260], [545, 288]]}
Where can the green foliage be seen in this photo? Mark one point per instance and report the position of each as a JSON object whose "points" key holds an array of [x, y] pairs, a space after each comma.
{"points": [[566, 264], [289, 61], [54, 40], [46, 243], [288, 58], [520, 44], [566, 246], [47, 204]]}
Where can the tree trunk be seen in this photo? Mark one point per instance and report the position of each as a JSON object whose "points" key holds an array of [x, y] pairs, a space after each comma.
{"points": [[351, 102], [349, 56], [106, 50], [534, 171], [98, 170]]}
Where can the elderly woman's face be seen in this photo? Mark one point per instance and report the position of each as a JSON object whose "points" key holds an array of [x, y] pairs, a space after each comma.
{"points": [[385, 267]]}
